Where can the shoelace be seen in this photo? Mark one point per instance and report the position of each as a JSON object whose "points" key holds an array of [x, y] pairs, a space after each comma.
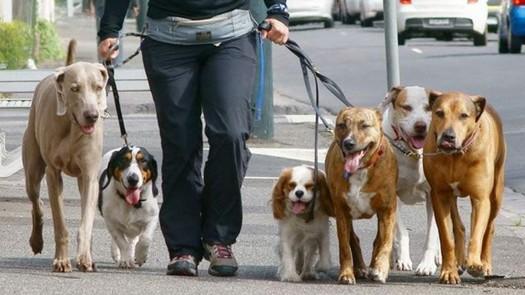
{"points": [[222, 251], [186, 257]]}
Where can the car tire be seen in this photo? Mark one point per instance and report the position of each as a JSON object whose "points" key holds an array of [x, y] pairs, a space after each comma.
{"points": [[401, 40], [514, 42], [480, 39], [347, 19], [367, 22], [503, 44], [329, 23]]}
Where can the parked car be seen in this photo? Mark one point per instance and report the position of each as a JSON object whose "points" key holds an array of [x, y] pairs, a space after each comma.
{"points": [[309, 11], [366, 11], [511, 32], [494, 7], [442, 19]]}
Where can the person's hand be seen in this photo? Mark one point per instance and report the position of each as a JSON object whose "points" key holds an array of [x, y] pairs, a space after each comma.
{"points": [[278, 34], [104, 48]]}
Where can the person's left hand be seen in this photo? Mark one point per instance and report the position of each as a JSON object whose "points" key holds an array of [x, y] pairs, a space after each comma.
{"points": [[278, 34]]}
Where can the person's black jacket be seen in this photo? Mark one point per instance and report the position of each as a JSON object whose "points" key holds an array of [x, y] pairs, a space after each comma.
{"points": [[115, 11]]}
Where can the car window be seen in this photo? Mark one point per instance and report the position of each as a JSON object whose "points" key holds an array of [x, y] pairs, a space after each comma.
{"points": [[494, 2]]}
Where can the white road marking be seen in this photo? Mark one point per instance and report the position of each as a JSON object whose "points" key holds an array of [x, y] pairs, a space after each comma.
{"points": [[417, 50], [306, 155]]}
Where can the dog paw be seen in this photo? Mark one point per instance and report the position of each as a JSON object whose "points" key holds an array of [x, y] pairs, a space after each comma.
{"points": [[377, 275], [404, 264], [85, 263], [289, 277], [140, 258], [476, 270], [323, 266], [449, 276], [309, 276], [126, 264], [61, 265], [346, 278], [361, 272], [427, 266], [36, 242]]}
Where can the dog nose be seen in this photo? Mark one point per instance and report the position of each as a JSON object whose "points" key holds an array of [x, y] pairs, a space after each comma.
{"points": [[133, 180], [349, 144], [91, 116], [299, 194], [420, 127], [448, 135]]}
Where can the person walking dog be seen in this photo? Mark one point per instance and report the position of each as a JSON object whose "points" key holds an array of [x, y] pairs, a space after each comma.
{"points": [[200, 57]]}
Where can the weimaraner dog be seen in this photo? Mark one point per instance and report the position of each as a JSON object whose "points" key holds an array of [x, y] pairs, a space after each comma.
{"points": [[64, 134]]}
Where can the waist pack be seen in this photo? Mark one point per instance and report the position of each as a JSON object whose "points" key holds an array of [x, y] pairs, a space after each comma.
{"points": [[183, 31]]}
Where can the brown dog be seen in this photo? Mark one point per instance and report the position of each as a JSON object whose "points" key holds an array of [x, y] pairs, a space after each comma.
{"points": [[362, 175], [468, 138]]}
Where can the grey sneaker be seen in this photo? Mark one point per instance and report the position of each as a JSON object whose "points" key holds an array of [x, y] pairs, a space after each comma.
{"points": [[222, 261], [182, 265]]}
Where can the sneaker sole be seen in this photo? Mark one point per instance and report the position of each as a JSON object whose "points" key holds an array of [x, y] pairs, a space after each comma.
{"points": [[225, 271], [184, 270]]}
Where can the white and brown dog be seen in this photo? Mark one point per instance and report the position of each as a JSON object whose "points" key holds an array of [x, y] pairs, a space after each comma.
{"points": [[127, 201], [406, 119], [303, 223], [361, 170]]}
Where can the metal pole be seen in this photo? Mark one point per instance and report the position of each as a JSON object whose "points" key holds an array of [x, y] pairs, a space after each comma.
{"points": [[264, 128], [392, 50], [69, 8]]}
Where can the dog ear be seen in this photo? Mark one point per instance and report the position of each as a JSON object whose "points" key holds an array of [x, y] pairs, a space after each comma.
{"points": [[324, 194], [102, 100], [279, 195], [393, 94], [432, 96], [480, 102], [103, 72], [61, 100], [154, 175], [379, 115]]}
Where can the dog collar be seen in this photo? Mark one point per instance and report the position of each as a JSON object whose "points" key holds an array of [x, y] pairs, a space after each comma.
{"points": [[469, 141]]}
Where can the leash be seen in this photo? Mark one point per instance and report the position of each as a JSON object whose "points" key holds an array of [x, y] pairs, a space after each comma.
{"points": [[307, 67]]}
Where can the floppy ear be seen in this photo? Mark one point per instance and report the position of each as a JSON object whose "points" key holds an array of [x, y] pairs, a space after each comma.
{"points": [[103, 72], [279, 194], [59, 85], [393, 93], [479, 102], [432, 96], [324, 194], [154, 175], [103, 95]]}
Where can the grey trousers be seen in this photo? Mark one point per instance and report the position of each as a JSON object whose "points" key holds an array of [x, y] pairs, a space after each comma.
{"points": [[217, 81]]}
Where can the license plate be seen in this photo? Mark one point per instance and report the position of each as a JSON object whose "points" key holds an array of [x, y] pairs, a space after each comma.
{"points": [[439, 22]]}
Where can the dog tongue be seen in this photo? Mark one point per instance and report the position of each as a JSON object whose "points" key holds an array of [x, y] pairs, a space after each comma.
{"points": [[352, 161], [417, 143], [298, 207], [88, 129], [133, 196]]}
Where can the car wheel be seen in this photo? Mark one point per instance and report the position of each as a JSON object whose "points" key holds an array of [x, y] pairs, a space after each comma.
{"points": [[329, 23], [367, 22], [347, 19], [401, 39], [503, 44], [480, 39], [514, 42]]}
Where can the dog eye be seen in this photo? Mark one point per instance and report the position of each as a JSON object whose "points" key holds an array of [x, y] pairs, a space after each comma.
{"points": [[309, 186], [440, 113], [341, 126], [365, 126], [75, 88], [406, 108], [463, 116]]}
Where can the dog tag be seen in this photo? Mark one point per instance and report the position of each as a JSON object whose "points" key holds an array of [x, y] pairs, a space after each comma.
{"points": [[203, 36]]}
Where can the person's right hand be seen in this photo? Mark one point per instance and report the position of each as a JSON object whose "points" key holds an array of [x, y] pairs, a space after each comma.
{"points": [[104, 48]]}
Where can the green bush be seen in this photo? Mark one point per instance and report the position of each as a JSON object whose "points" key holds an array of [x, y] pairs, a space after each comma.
{"points": [[50, 47], [15, 47]]}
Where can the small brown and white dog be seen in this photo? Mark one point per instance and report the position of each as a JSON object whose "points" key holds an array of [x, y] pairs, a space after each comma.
{"points": [[361, 170], [406, 119], [303, 223], [128, 203], [467, 135]]}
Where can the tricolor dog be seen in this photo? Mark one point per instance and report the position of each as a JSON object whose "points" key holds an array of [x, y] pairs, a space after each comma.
{"points": [[304, 246], [405, 121], [361, 170], [467, 136], [128, 203]]}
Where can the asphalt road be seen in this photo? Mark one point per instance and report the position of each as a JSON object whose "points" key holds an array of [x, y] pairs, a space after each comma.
{"points": [[354, 58]]}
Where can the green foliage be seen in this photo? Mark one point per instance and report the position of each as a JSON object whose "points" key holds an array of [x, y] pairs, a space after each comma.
{"points": [[50, 47], [15, 47]]}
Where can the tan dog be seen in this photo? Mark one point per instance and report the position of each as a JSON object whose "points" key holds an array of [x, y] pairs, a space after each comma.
{"points": [[468, 136], [362, 175], [64, 135]]}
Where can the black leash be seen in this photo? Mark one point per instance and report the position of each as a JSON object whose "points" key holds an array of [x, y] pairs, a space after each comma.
{"points": [[308, 66]]}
